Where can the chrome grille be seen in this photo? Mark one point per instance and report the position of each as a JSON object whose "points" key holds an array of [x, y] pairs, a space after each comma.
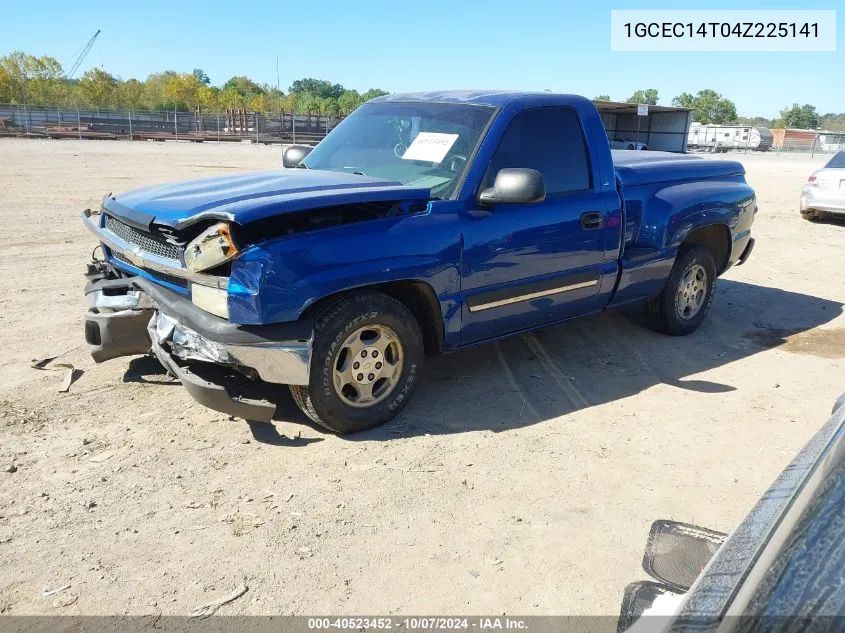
{"points": [[176, 281], [119, 257], [147, 242]]}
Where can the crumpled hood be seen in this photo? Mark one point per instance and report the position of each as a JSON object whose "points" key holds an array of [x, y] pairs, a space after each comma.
{"points": [[247, 197]]}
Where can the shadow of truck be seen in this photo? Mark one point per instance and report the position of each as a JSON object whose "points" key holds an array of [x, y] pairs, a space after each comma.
{"points": [[598, 359]]}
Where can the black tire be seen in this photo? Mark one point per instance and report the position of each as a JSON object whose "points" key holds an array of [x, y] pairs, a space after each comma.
{"points": [[333, 325], [812, 215], [663, 312]]}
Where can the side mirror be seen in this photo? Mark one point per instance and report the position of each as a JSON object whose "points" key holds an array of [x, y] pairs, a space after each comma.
{"points": [[294, 154], [515, 186]]}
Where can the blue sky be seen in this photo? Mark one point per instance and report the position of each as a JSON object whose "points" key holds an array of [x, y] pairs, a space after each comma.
{"points": [[400, 45]]}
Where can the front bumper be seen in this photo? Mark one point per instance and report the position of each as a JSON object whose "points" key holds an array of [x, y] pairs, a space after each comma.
{"points": [[132, 315]]}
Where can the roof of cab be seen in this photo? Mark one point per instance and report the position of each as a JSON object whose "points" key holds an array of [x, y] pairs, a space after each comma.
{"points": [[496, 98]]}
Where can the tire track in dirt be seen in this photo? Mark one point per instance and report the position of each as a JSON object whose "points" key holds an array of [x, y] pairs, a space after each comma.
{"points": [[513, 382], [575, 397]]}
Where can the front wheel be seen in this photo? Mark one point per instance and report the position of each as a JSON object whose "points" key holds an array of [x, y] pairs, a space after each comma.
{"points": [[688, 294], [366, 362]]}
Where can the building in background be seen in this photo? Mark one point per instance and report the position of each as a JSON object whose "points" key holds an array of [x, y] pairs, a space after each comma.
{"points": [[663, 128], [831, 141], [794, 139]]}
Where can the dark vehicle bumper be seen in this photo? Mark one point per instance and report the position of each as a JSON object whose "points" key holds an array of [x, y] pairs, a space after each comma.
{"points": [[218, 362]]}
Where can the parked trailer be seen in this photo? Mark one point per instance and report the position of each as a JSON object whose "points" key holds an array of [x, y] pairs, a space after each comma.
{"points": [[721, 138]]}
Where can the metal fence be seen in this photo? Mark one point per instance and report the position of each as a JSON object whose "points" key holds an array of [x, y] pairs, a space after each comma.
{"points": [[232, 125], [810, 148], [818, 145]]}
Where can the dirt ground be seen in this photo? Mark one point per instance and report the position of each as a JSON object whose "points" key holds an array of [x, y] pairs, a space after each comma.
{"points": [[522, 478]]}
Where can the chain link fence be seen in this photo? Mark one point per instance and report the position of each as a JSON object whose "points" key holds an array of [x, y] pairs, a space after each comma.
{"points": [[232, 125], [810, 142], [819, 145]]}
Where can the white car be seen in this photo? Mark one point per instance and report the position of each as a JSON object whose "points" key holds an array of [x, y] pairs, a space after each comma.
{"points": [[824, 192]]}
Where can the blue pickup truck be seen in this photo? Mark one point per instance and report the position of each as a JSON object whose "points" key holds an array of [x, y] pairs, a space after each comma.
{"points": [[423, 224]]}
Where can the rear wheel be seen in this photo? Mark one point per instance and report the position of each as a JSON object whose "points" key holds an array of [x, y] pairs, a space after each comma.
{"points": [[686, 298], [366, 362]]}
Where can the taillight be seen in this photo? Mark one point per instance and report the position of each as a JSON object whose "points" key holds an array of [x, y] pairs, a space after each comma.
{"points": [[811, 179]]}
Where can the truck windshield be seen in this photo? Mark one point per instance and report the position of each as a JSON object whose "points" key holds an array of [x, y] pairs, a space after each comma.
{"points": [[420, 144]]}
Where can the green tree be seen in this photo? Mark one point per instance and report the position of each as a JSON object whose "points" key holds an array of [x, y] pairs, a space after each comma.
{"points": [[231, 99], [644, 96], [208, 98], [319, 88], [277, 99], [46, 80], [130, 94], [708, 106], [685, 100], [97, 88], [245, 87], [328, 106], [804, 117], [754, 120], [29, 79], [199, 73], [833, 122], [154, 86], [259, 103], [602, 98], [305, 103], [348, 101], [182, 91], [372, 93]]}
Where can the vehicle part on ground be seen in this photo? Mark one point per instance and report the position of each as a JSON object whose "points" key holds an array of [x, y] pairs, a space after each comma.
{"points": [[379, 335], [638, 597], [686, 299], [677, 552], [780, 569]]}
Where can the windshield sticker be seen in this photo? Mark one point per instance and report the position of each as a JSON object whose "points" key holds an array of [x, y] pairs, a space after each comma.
{"points": [[431, 147]]}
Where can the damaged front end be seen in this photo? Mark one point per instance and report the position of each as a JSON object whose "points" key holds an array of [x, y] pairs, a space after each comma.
{"points": [[224, 366], [212, 277]]}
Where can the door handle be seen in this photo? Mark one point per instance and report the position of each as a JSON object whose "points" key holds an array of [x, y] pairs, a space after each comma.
{"points": [[592, 220]]}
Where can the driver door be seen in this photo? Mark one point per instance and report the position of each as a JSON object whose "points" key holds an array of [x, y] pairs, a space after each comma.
{"points": [[526, 265]]}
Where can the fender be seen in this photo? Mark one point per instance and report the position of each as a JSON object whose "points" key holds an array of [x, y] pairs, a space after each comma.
{"points": [[278, 279], [676, 211], [668, 218]]}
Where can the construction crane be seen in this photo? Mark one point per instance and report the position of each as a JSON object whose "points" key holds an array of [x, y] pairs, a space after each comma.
{"points": [[82, 55]]}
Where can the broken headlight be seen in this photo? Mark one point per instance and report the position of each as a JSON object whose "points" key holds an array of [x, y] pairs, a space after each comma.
{"points": [[210, 248]]}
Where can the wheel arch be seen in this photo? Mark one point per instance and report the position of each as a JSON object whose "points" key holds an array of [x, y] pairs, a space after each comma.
{"points": [[714, 237], [418, 296]]}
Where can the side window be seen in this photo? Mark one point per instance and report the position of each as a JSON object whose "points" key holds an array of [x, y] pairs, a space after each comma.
{"points": [[549, 140]]}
